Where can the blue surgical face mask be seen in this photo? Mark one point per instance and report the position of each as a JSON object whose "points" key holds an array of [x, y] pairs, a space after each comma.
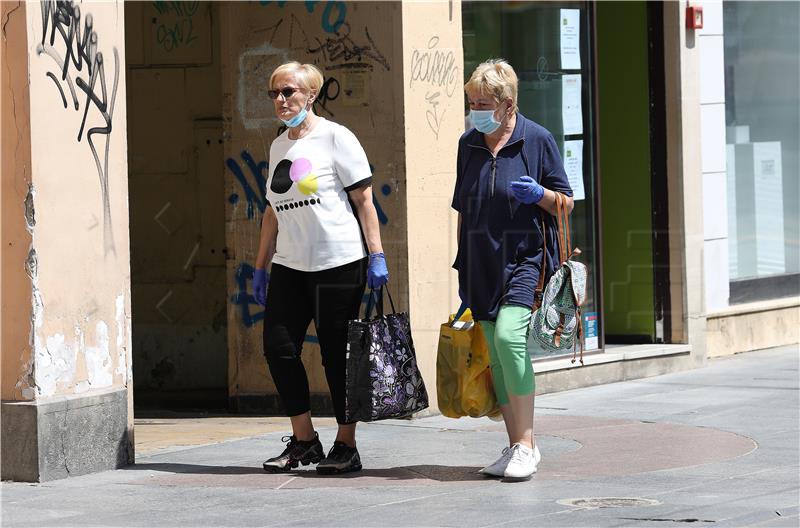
{"points": [[484, 121], [296, 120]]}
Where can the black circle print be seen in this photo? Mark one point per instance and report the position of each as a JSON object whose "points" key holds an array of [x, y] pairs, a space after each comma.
{"points": [[281, 182]]}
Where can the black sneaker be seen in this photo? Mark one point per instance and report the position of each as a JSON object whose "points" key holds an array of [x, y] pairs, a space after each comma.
{"points": [[296, 452], [341, 459]]}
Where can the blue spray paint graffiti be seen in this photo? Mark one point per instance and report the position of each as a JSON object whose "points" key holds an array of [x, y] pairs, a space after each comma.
{"points": [[328, 23], [245, 300], [254, 196]]}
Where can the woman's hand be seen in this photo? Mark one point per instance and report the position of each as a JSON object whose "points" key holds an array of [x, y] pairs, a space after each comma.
{"points": [[377, 273], [260, 286], [527, 190]]}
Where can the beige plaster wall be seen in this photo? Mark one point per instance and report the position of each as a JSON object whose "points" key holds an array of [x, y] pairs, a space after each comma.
{"points": [[433, 79], [15, 285], [79, 264], [753, 326], [357, 46]]}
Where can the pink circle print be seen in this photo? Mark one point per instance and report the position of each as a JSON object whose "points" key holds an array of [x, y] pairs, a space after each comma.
{"points": [[300, 169]]}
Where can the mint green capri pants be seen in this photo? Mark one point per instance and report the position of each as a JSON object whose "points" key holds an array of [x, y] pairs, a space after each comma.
{"points": [[508, 352]]}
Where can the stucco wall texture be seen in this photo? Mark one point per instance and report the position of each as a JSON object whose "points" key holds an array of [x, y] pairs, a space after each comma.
{"points": [[77, 302]]}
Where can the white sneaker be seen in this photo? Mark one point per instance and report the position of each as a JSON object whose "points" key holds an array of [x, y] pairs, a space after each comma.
{"points": [[498, 467], [523, 463]]}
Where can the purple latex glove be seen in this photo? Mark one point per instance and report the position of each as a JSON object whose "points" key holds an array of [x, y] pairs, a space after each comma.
{"points": [[377, 273], [527, 190], [260, 286]]}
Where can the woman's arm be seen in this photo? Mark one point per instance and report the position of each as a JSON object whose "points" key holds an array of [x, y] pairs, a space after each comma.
{"points": [[368, 217], [548, 202], [269, 235]]}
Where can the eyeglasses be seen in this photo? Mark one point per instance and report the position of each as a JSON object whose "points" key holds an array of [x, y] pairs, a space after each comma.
{"points": [[285, 92]]}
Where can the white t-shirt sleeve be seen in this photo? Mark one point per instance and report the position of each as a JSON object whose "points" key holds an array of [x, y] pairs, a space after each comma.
{"points": [[349, 159]]}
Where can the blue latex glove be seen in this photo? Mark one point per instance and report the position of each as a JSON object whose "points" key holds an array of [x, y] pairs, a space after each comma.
{"points": [[260, 286], [527, 190], [377, 273]]}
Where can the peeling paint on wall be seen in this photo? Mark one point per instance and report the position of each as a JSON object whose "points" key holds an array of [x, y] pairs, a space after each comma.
{"points": [[55, 362], [98, 359], [30, 213], [255, 66], [122, 356]]}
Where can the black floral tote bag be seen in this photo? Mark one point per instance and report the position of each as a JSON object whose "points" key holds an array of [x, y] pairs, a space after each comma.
{"points": [[383, 380]]}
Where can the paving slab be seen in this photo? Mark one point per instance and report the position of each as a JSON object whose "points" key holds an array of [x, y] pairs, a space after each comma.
{"points": [[718, 445]]}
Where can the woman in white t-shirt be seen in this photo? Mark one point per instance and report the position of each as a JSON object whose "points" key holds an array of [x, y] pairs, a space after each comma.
{"points": [[320, 232]]}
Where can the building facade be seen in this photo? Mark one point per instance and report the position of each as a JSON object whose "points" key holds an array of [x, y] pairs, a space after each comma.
{"points": [[135, 153]]}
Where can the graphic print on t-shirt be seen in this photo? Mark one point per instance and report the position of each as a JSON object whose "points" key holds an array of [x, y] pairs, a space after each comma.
{"points": [[300, 171]]}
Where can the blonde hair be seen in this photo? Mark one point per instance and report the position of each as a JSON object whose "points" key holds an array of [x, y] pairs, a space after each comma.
{"points": [[308, 75], [495, 78]]}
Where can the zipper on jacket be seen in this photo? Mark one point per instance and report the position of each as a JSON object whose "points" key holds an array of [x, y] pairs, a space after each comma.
{"points": [[494, 174], [494, 162]]}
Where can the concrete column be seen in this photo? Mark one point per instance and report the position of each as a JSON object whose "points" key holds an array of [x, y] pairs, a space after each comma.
{"points": [[433, 80], [68, 214], [685, 184]]}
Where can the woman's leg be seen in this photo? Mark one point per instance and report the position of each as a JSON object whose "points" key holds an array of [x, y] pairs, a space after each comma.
{"points": [[488, 329], [339, 292], [510, 340], [286, 320]]}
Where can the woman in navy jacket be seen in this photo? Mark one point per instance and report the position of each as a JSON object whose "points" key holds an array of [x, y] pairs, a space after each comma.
{"points": [[509, 170]]}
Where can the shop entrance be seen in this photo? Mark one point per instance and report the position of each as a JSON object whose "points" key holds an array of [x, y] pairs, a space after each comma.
{"points": [[632, 159], [177, 207]]}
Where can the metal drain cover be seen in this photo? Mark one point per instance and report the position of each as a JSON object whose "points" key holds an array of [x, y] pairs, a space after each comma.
{"points": [[608, 502]]}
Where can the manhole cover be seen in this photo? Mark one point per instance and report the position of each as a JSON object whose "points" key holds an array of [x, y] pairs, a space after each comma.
{"points": [[608, 502]]}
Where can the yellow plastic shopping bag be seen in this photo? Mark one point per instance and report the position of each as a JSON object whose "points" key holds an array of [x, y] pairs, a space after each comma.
{"points": [[463, 376]]}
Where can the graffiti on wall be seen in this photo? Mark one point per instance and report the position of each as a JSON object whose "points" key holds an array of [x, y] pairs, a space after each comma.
{"points": [[436, 70], [253, 183], [180, 32], [73, 45], [333, 14]]}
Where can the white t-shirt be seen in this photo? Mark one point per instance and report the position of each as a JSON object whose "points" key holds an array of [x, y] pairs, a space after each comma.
{"points": [[307, 189]]}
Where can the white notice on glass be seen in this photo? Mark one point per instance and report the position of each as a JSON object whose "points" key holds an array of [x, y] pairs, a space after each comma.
{"points": [[570, 39], [571, 113], [573, 165]]}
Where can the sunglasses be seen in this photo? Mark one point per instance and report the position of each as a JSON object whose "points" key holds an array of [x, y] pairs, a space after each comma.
{"points": [[285, 92]]}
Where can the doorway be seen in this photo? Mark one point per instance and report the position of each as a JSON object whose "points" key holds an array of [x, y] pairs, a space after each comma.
{"points": [[177, 207], [630, 80]]}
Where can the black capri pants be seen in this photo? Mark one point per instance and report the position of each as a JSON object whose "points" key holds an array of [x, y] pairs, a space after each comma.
{"points": [[330, 297]]}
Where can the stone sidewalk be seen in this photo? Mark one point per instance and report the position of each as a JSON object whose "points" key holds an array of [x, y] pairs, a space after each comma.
{"points": [[715, 445]]}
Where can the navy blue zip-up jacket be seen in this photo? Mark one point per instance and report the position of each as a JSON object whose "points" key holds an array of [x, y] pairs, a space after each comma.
{"points": [[500, 247]]}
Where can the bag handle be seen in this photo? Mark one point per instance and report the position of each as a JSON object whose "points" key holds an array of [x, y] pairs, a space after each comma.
{"points": [[564, 241], [538, 294], [377, 296], [461, 310]]}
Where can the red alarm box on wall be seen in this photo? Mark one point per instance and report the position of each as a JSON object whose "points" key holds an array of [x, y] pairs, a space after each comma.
{"points": [[694, 17]]}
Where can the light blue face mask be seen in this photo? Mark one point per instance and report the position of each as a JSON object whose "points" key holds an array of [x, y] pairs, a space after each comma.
{"points": [[484, 121], [296, 120]]}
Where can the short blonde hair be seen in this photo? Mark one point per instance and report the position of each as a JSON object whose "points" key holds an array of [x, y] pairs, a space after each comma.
{"points": [[495, 78], [308, 75]]}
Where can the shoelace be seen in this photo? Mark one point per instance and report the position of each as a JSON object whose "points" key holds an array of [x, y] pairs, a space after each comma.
{"points": [[517, 455], [338, 450]]}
